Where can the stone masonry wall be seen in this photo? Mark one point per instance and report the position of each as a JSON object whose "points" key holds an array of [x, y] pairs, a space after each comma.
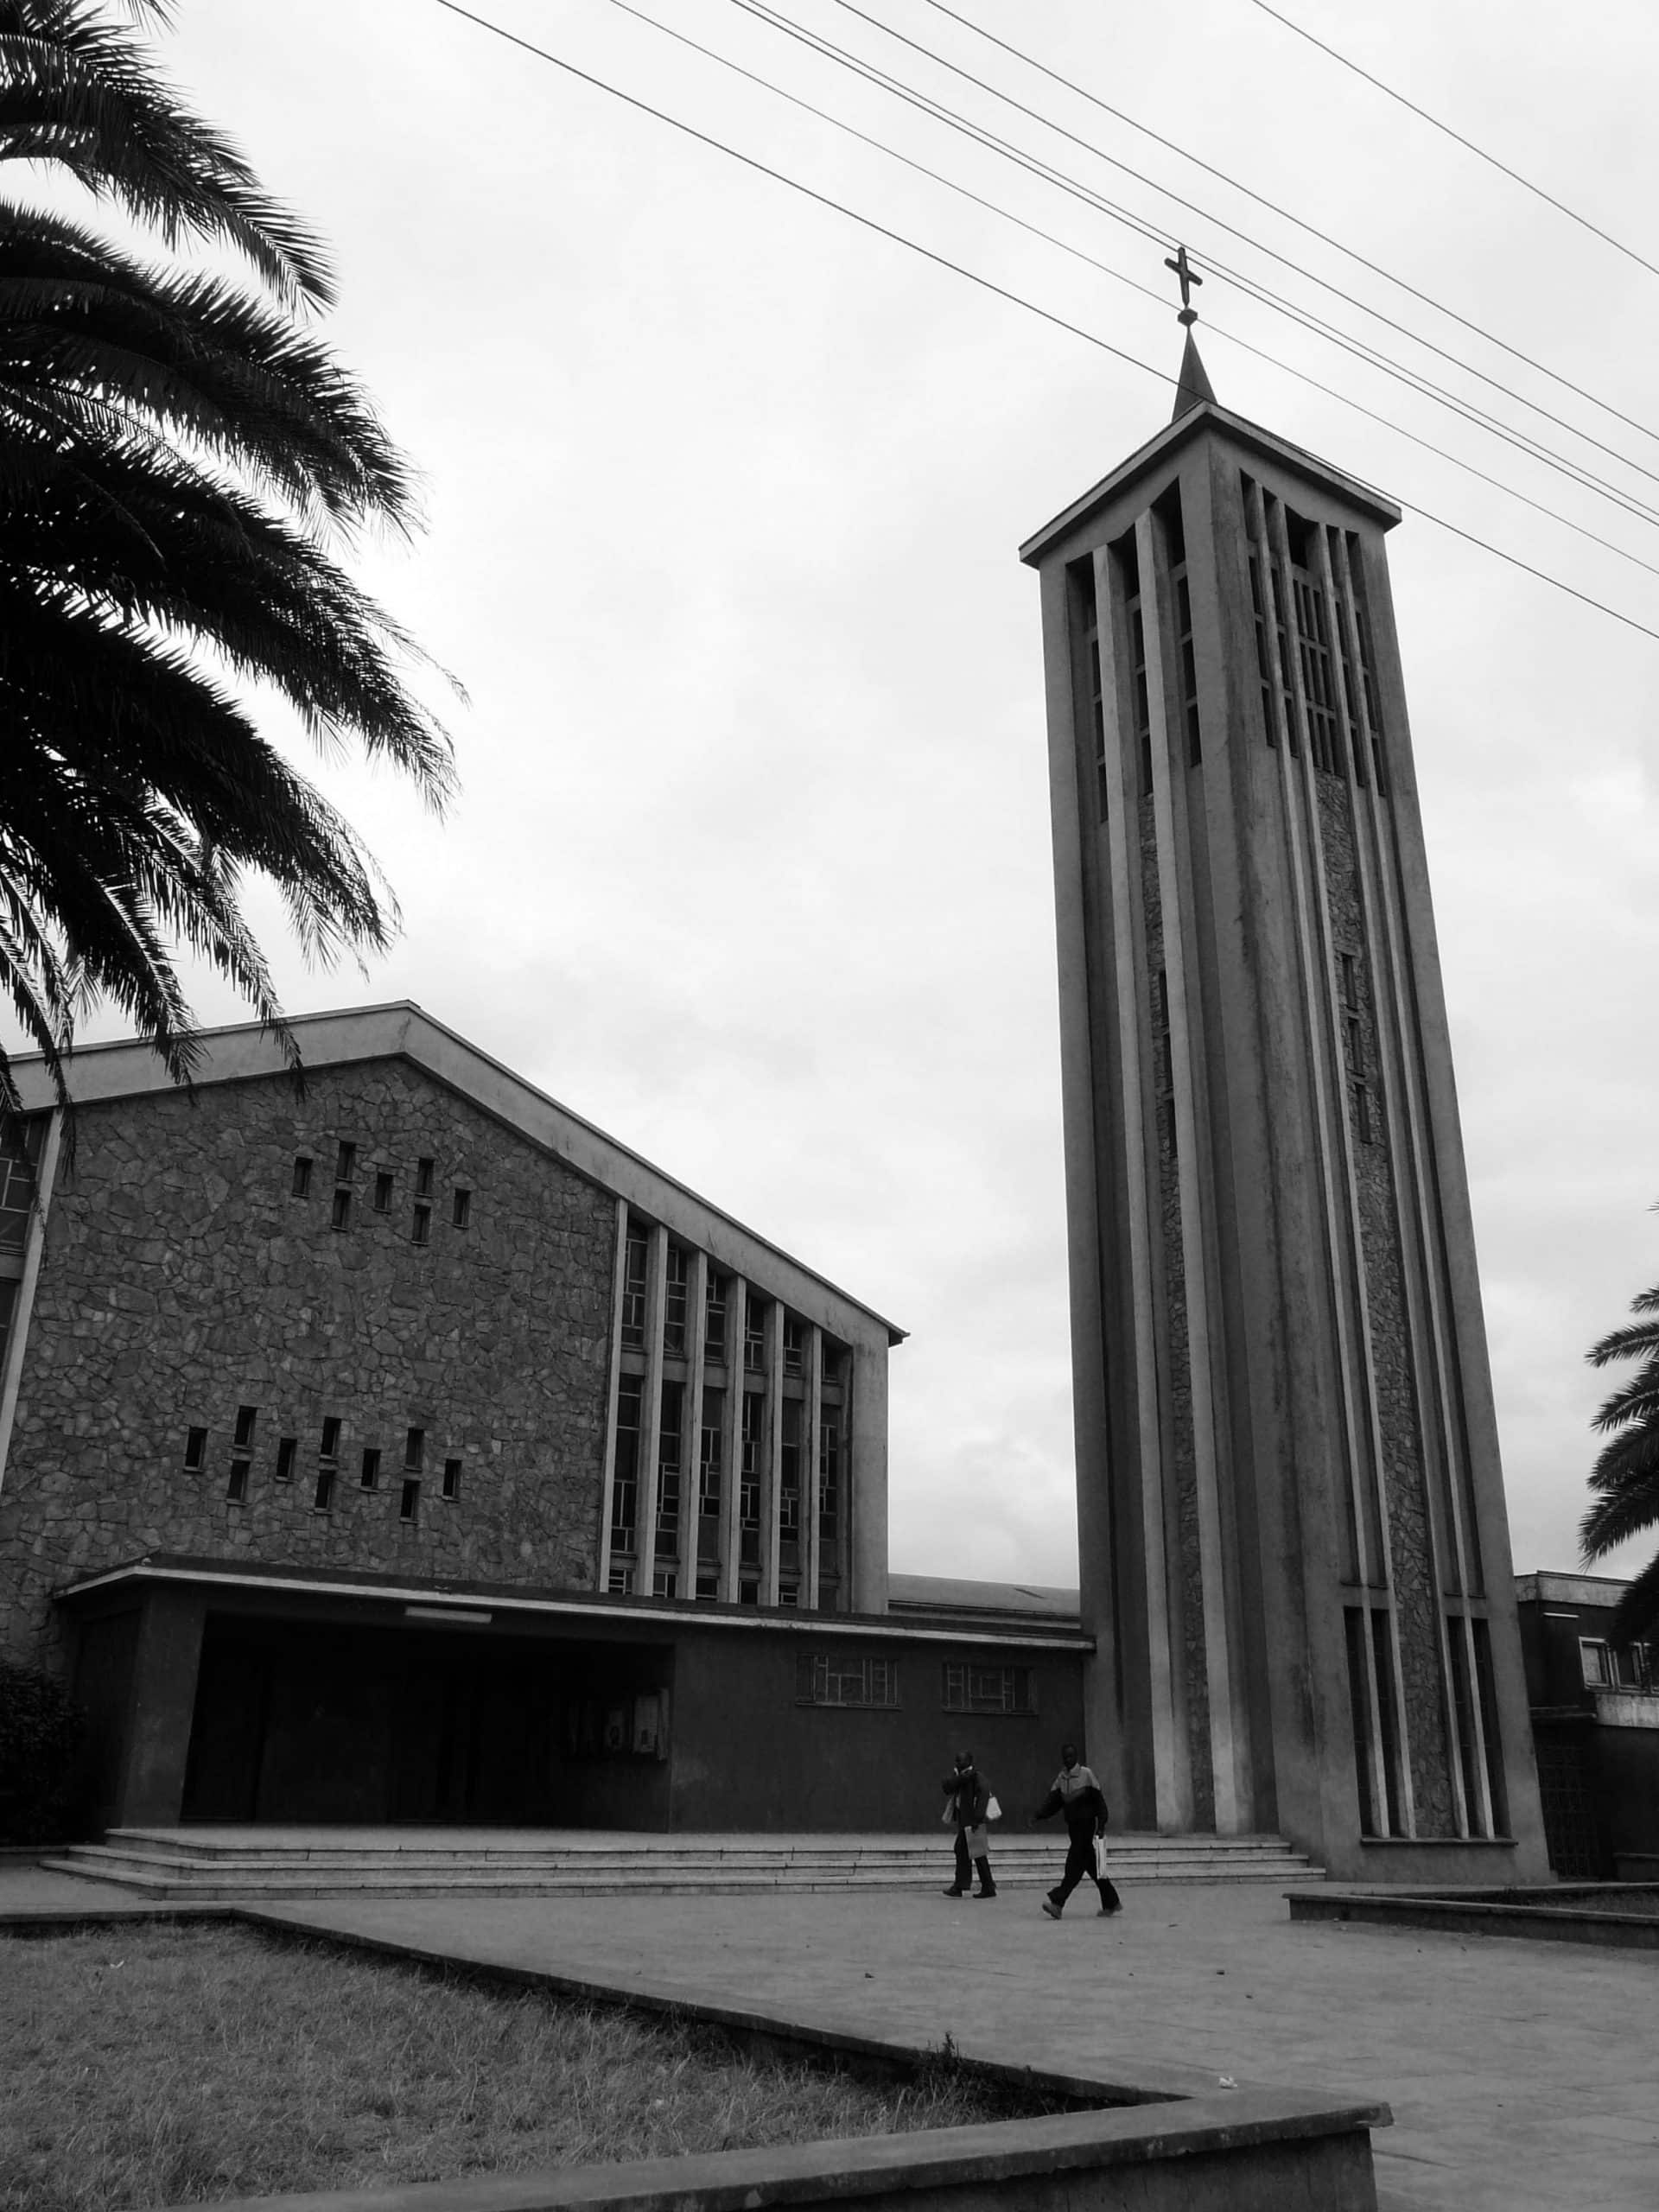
{"points": [[182, 1280]]}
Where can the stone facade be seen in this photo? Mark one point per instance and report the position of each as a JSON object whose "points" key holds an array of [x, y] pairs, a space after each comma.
{"points": [[183, 1279]]}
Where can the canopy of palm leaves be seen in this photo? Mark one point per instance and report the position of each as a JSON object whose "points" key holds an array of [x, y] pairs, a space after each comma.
{"points": [[1625, 1478], [181, 461]]}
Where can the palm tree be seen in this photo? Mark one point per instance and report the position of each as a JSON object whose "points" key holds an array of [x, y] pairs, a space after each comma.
{"points": [[181, 461], [1626, 1476]]}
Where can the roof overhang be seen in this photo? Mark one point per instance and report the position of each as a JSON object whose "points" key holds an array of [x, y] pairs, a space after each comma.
{"points": [[391, 1600], [1207, 419]]}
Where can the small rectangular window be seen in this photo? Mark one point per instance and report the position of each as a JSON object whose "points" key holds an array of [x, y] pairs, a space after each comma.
{"points": [[424, 1172], [621, 1582], [415, 1451], [346, 1163], [708, 1583], [837, 1678], [969, 1688], [1596, 1663], [422, 1230], [676, 1293], [463, 1209], [329, 1447], [195, 1449], [340, 1217], [754, 1336], [664, 1583], [245, 1418], [794, 1345], [408, 1507], [236, 1489], [452, 1478], [287, 1449], [370, 1475], [324, 1500], [714, 1333], [382, 1183], [301, 1186]]}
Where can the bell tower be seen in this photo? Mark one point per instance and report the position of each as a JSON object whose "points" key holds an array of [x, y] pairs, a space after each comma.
{"points": [[1294, 1550]]}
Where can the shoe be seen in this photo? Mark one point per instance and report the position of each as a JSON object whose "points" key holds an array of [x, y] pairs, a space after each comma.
{"points": [[1051, 1908], [954, 1892], [1109, 1912], [985, 1893]]}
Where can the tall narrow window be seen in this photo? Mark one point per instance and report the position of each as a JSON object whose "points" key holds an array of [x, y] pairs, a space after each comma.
{"points": [[460, 1212], [342, 1215], [196, 1450], [383, 1187], [625, 1474], [328, 1464], [748, 1498], [246, 1419], [1189, 670], [675, 1291], [369, 1470], [636, 1268], [19, 1144], [714, 1327], [789, 1469], [1097, 724], [754, 1336], [1142, 696], [452, 1479], [236, 1489], [420, 1232], [1264, 667], [408, 1504], [345, 1163], [1366, 662], [794, 1345], [710, 1452], [1318, 686], [301, 1186], [669, 1459], [828, 1471], [425, 1171], [288, 1449], [415, 1451]]}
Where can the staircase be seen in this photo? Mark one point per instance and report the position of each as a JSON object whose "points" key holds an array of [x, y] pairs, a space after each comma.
{"points": [[241, 1863]]}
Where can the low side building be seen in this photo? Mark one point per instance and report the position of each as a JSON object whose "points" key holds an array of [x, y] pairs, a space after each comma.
{"points": [[1595, 1726], [408, 1449]]}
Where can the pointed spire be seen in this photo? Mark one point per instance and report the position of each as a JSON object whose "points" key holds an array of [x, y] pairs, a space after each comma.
{"points": [[1195, 386]]}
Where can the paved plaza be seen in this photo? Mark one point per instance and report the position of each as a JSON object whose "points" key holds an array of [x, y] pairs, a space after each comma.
{"points": [[1522, 2074]]}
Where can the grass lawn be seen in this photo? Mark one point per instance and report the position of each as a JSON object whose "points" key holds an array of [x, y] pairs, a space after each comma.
{"points": [[168, 2065]]}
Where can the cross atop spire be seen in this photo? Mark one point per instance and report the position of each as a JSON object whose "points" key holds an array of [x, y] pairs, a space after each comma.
{"points": [[1189, 278]]}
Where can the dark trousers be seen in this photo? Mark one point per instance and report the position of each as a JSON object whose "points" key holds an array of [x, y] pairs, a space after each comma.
{"points": [[1080, 1867], [964, 1865]]}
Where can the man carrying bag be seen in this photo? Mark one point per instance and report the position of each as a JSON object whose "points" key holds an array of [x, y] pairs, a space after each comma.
{"points": [[1077, 1793], [970, 1805]]}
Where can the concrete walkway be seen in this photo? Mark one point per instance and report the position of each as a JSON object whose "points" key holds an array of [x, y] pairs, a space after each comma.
{"points": [[1522, 2074]]}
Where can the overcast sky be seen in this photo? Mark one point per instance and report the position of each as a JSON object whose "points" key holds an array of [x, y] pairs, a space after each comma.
{"points": [[750, 865]]}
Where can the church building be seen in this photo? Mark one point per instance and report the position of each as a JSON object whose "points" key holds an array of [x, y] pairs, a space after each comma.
{"points": [[1295, 1551], [407, 1449]]}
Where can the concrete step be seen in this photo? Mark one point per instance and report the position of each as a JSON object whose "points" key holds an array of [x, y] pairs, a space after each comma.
{"points": [[250, 1863]]}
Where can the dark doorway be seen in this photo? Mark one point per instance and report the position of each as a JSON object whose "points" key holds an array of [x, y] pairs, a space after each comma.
{"points": [[303, 1722]]}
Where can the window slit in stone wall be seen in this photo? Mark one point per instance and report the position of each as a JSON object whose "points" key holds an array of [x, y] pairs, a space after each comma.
{"points": [[425, 1170], [328, 1464], [301, 1186], [196, 1450], [422, 1231], [462, 1213], [408, 1507], [345, 1163], [287, 1451], [341, 1216], [383, 1189], [235, 1490], [451, 1479], [246, 1419], [368, 1473], [415, 1451]]}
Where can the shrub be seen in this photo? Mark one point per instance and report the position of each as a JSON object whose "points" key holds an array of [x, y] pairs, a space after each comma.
{"points": [[40, 1751]]}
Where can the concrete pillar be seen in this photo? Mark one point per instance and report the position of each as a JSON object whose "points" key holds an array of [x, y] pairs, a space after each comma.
{"points": [[166, 1661]]}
